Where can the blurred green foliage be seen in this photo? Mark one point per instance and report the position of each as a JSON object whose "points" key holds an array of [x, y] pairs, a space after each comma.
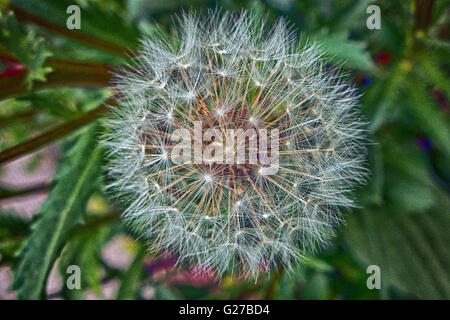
{"points": [[403, 221]]}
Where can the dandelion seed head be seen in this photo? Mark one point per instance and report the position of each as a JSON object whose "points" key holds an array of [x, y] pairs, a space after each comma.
{"points": [[234, 71]]}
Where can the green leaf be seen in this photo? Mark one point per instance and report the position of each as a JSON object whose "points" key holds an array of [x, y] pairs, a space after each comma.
{"points": [[373, 192], [385, 96], [192, 291], [131, 278], [63, 209], [12, 224], [69, 257], [84, 250], [317, 287], [289, 283], [434, 74], [104, 24], [429, 117], [25, 46], [164, 293], [13, 229], [408, 194], [351, 53], [317, 263], [66, 103], [411, 250], [352, 15]]}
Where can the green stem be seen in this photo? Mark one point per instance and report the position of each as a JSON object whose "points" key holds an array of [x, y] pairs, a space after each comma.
{"points": [[53, 134]]}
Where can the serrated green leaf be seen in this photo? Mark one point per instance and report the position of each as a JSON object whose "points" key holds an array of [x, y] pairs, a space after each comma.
{"points": [[63, 209], [131, 278], [351, 53], [411, 250], [25, 46]]}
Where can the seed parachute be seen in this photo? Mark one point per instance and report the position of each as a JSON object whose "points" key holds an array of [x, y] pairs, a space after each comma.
{"points": [[233, 73]]}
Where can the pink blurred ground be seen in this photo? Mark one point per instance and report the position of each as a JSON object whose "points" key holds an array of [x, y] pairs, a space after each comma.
{"points": [[118, 253], [15, 176]]}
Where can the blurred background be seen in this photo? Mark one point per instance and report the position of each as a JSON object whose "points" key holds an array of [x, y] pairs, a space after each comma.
{"points": [[53, 209]]}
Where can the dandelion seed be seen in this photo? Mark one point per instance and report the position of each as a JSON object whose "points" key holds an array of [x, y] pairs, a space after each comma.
{"points": [[229, 72]]}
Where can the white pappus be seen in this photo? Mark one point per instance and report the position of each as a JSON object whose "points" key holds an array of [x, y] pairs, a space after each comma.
{"points": [[232, 70]]}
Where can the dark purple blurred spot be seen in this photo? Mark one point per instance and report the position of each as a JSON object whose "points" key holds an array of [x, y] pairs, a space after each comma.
{"points": [[362, 81], [424, 143], [162, 264], [441, 99]]}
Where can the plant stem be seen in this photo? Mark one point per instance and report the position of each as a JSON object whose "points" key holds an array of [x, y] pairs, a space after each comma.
{"points": [[20, 116], [65, 73], [94, 223], [53, 134], [24, 16], [423, 14], [7, 193]]}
